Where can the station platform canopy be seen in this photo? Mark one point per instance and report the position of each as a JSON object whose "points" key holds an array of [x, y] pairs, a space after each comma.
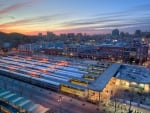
{"points": [[22, 103], [100, 83]]}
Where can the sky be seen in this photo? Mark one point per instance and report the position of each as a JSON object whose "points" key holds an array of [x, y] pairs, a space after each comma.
{"points": [[74, 16]]}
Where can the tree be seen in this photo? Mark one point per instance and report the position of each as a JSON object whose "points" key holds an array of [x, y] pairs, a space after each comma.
{"points": [[131, 59]]}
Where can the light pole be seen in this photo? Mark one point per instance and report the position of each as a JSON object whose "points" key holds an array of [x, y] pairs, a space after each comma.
{"points": [[115, 105], [131, 95], [99, 102], [60, 99], [115, 95]]}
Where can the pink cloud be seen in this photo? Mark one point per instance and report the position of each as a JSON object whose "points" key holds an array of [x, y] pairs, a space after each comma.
{"points": [[16, 6]]}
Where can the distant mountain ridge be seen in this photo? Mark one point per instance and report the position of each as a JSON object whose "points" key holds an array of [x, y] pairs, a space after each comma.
{"points": [[9, 34], [14, 39]]}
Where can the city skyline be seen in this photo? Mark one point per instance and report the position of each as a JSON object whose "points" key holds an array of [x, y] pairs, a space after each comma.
{"points": [[86, 16]]}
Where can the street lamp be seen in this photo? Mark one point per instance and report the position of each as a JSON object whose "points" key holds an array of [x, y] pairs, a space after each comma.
{"points": [[115, 95], [60, 99], [131, 95]]}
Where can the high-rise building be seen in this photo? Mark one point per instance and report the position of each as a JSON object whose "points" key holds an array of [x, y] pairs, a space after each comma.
{"points": [[138, 33], [40, 36], [115, 32], [50, 36]]}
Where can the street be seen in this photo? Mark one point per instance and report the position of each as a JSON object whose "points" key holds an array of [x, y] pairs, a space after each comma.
{"points": [[48, 98]]}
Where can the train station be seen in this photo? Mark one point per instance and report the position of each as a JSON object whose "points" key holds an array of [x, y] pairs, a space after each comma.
{"points": [[95, 83]]}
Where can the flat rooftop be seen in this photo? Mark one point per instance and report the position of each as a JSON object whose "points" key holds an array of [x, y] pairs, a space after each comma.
{"points": [[133, 73]]}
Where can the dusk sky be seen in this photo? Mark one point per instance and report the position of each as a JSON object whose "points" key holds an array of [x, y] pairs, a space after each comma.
{"points": [[63, 16]]}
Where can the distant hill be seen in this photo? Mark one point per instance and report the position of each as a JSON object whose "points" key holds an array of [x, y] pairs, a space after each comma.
{"points": [[16, 34], [14, 39], [10, 35]]}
